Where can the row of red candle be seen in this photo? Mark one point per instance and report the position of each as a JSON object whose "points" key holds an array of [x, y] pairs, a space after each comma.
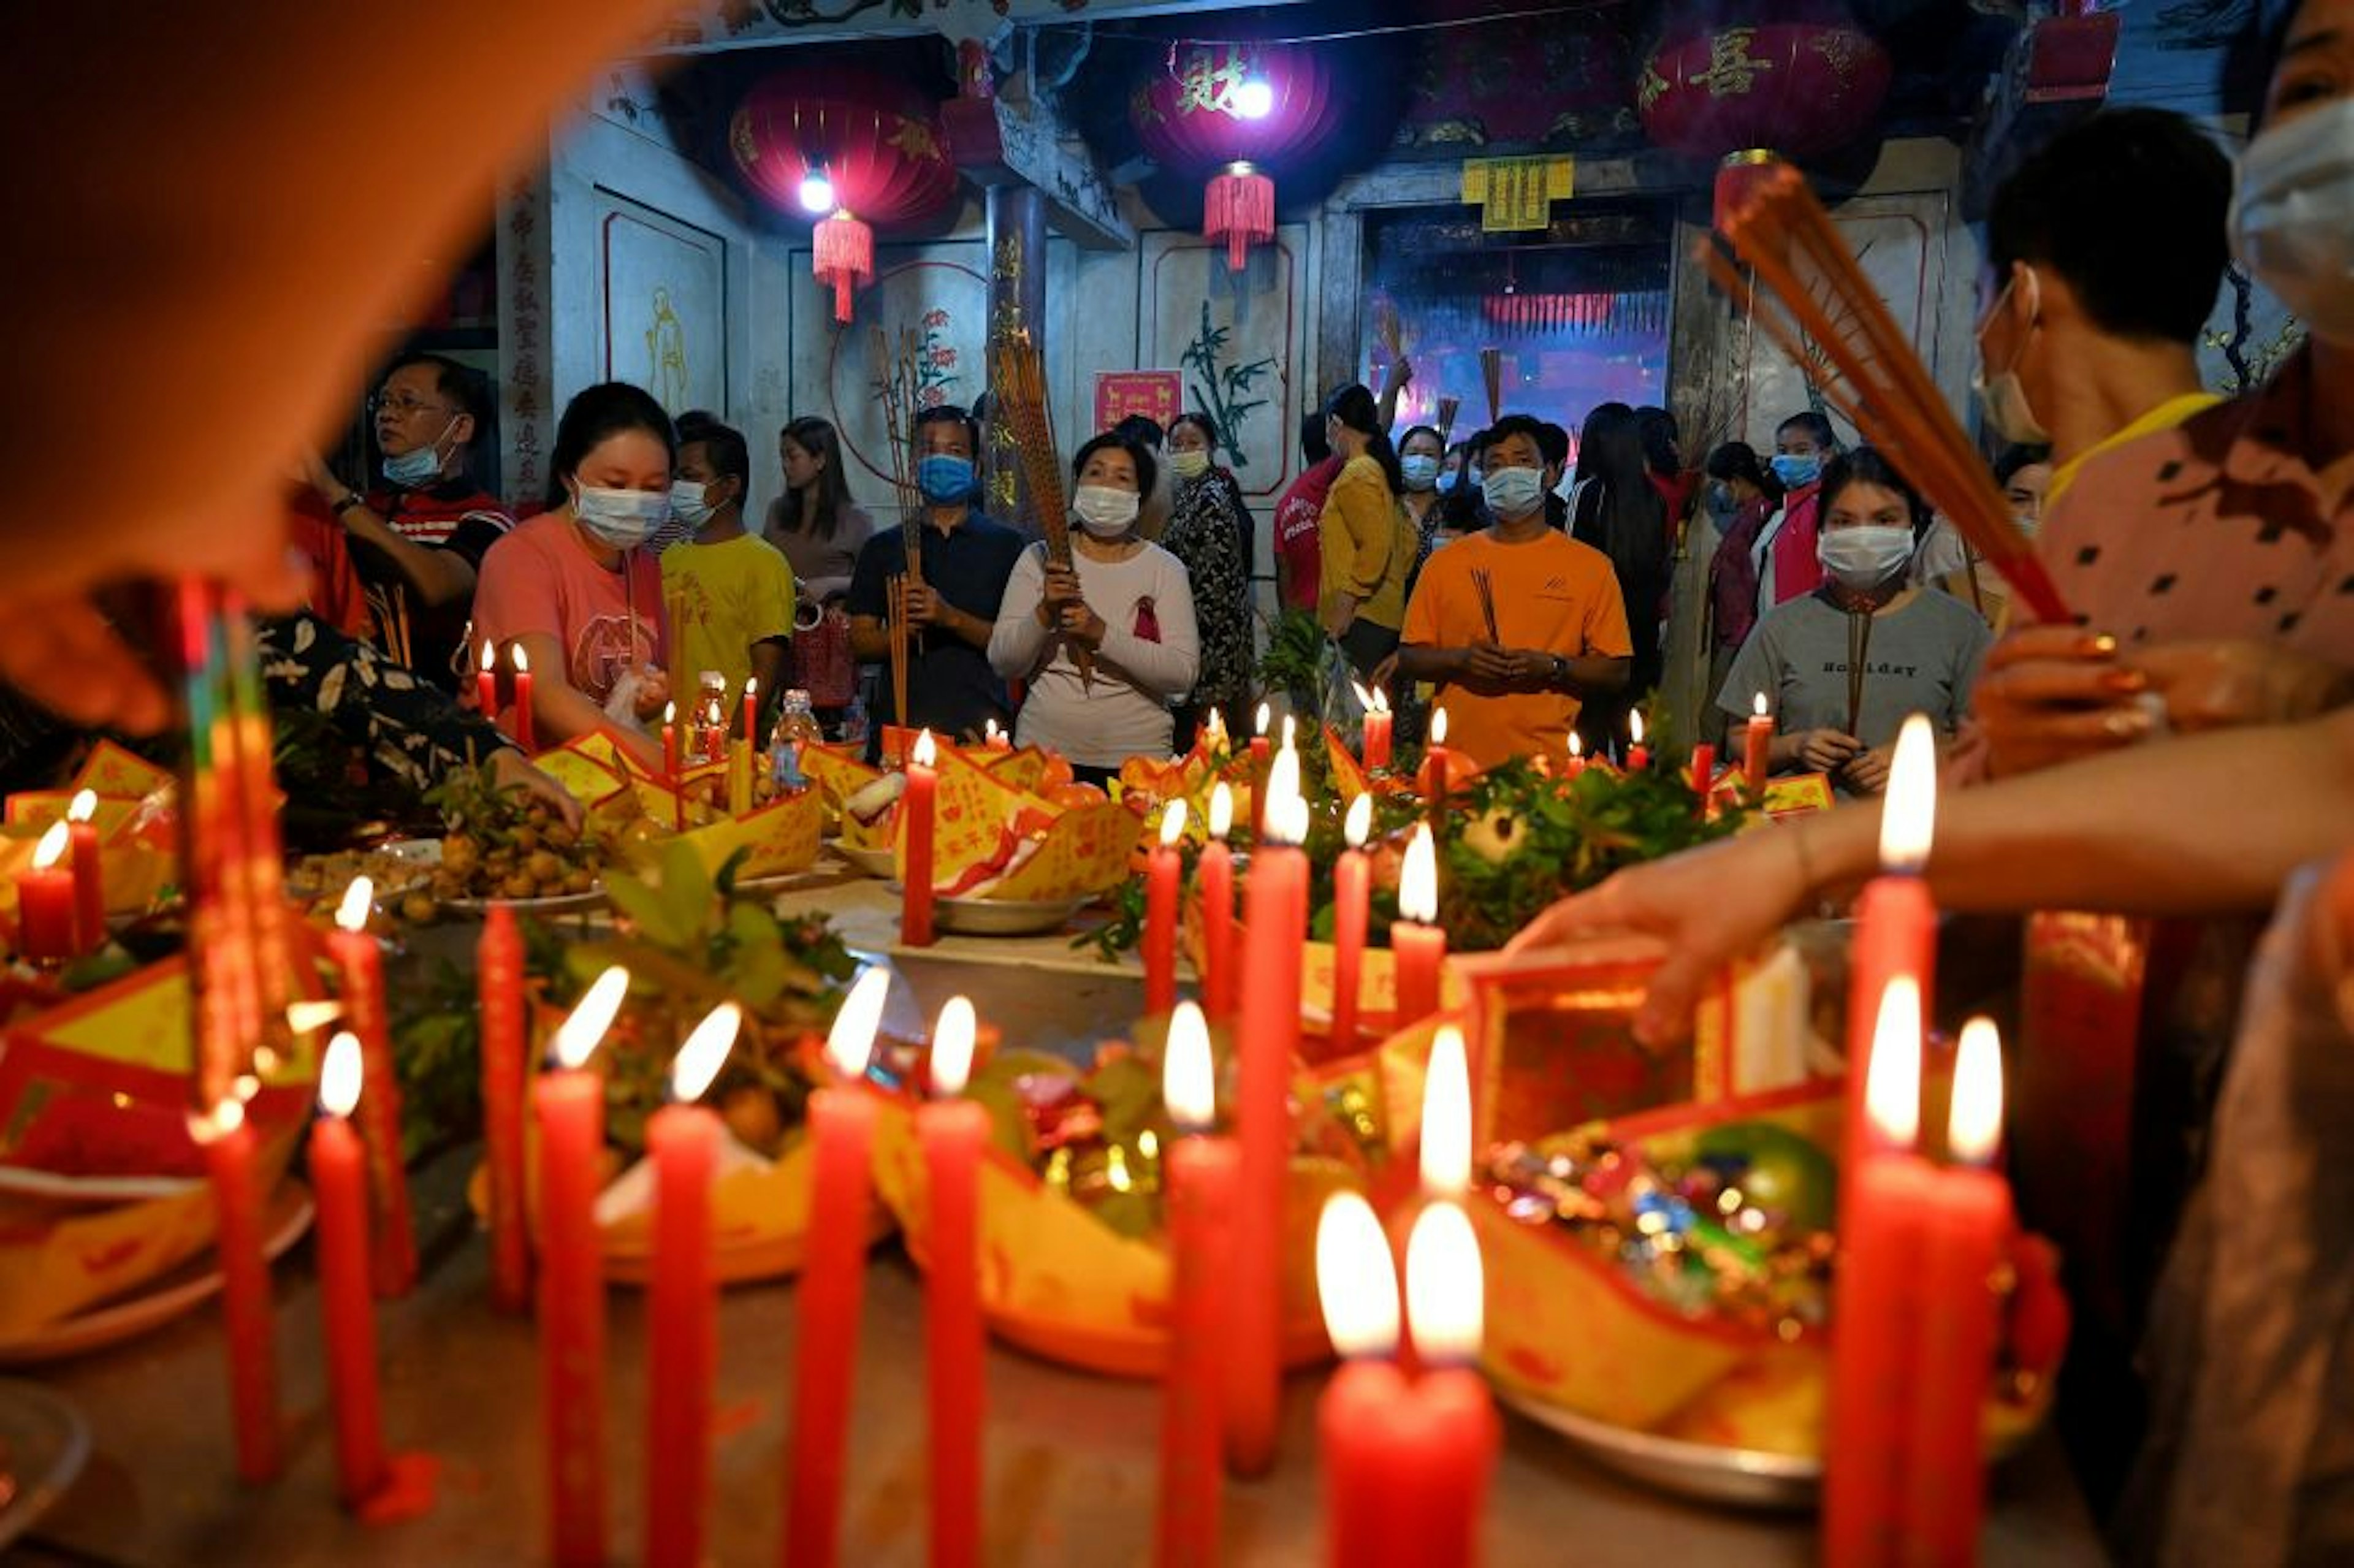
{"points": [[61, 897], [486, 693]]}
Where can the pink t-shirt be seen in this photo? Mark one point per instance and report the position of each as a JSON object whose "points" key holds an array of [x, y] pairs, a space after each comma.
{"points": [[541, 578], [1297, 541]]}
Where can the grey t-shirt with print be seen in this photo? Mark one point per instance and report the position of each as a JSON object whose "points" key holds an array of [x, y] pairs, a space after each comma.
{"points": [[1921, 658]]}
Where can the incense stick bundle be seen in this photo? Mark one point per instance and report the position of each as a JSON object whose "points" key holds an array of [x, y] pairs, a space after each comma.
{"points": [[896, 383], [1019, 379], [1486, 586], [1818, 306], [1385, 328], [1492, 372], [898, 627], [1447, 409]]}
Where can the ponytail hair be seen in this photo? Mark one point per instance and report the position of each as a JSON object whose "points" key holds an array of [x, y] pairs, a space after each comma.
{"points": [[1354, 406]]}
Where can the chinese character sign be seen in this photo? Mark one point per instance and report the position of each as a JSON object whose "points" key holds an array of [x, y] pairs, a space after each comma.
{"points": [[1157, 394]]}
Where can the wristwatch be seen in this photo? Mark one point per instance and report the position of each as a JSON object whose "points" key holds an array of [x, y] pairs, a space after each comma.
{"points": [[1560, 673], [351, 498]]}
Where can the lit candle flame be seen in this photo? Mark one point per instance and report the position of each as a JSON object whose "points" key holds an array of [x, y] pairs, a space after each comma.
{"points": [[706, 1052], [1290, 732], [952, 1038], [1221, 811], [578, 1037], [989, 732], [850, 1044], [352, 913], [522, 661], [1635, 727], [1355, 1279], [1757, 704], [1447, 1117], [340, 1076], [1287, 813], [1173, 824], [1364, 697], [1418, 878], [1380, 702], [1892, 1081], [225, 1117], [84, 807], [670, 714], [1444, 1287], [1576, 743], [1974, 1126], [52, 847], [490, 656], [1216, 727], [1266, 717], [925, 751], [1188, 1082], [1439, 726], [1358, 825], [1908, 815]]}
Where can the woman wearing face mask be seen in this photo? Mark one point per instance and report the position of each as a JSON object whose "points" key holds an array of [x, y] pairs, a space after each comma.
{"points": [[1209, 532], [1463, 506], [1740, 494], [1421, 457], [1841, 668], [575, 589], [1122, 600], [1368, 545]]}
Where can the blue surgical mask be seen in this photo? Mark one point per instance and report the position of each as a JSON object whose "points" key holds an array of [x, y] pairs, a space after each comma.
{"points": [[1447, 481], [1513, 492], [622, 518], [944, 478], [420, 465], [1421, 473], [688, 502], [1795, 471]]}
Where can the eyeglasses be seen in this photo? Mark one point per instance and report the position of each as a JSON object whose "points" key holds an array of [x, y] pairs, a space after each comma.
{"points": [[404, 407]]}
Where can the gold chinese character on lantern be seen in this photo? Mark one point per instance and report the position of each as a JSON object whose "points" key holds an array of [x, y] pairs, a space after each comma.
{"points": [[1208, 83], [1732, 71]]}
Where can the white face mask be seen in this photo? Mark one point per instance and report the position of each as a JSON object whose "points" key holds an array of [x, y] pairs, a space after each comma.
{"points": [[688, 502], [622, 518], [1105, 512], [2002, 396], [1864, 555], [2293, 216], [1189, 465]]}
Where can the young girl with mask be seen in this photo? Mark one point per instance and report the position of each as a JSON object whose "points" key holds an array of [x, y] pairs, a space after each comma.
{"points": [[1421, 456], [1122, 600], [1841, 668], [574, 589]]}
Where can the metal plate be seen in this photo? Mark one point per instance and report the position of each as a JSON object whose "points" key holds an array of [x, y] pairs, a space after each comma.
{"points": [[871, 862], [556, 904], [44, 1443], [1750, 1477], [1004, 917]]}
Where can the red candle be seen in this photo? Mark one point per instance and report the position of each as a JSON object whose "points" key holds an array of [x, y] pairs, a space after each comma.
{"points": [[1161, 870], [1447, 1435], [89, 872], [1638, 756], [1967, 1222], [1275, 927], [1878, 1299], [1756, 746], [682, 1139], [833, 1280], [752, 713], [568, 1104], [1358, 1289], [1703, 771], [1895, 923], [1199, 1175], [670, 767], [916, 809], [995, 740], [1576, 763], [1260, 760], [46, 916], [486, 683], [525, 736], [953, 1131], [339, 1180], [1216, 877], [1378, 725], [1435, 782], [1417, 945], [246, 1310], [1352, 882], [360, 967], [498, 960]]}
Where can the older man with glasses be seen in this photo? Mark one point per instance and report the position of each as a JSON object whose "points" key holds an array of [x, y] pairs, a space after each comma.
{"points": [[419, 537]]}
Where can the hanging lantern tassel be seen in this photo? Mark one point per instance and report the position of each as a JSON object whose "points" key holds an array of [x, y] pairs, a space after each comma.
{"points": [[1241, 207], [845, 259]]}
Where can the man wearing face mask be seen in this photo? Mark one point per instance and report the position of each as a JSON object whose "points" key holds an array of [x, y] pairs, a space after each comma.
{"points": [[733, 589], [1784, 555], [1841, 668], [1518, 624], [418, 539], [965, 559]]}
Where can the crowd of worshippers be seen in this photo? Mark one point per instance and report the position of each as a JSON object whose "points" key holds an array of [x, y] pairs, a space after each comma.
{"points": [[1539, 583]]}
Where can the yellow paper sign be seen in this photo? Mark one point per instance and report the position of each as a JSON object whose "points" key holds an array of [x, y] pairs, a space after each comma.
{"points": [[1518, 194], [1086, 852]]}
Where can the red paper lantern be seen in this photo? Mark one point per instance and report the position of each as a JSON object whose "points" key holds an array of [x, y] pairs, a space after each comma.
{"points": [[875, 143], [1227, 112], [1714, 89]]}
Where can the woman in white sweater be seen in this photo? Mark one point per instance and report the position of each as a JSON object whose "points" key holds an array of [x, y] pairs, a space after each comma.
{"points": [[1122, 600]]}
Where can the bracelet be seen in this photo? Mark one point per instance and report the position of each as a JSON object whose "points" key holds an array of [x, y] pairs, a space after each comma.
{"points": [[351, 498]]}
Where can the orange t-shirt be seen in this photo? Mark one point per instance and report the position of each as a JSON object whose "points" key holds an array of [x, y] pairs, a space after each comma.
{"points": [[1551, 593]]}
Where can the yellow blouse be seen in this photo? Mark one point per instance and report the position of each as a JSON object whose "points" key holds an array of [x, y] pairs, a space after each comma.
{"points": [[1367, 544]]}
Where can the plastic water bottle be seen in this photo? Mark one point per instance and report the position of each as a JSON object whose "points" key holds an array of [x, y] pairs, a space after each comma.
{"points": [[796, 726]]}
